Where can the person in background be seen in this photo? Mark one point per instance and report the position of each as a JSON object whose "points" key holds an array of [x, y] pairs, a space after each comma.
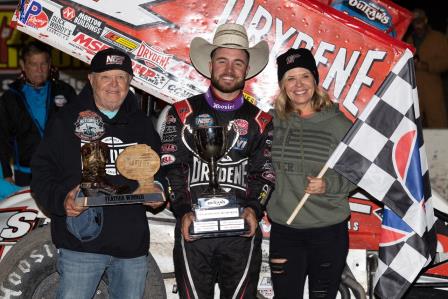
{"points": [[6, 188], [92, 241], [307, 128], [25, 109], [232, 261], [431, 60]]}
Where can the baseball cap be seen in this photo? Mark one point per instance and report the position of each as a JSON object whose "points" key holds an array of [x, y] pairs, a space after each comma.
{"points": [[86, 226], [111, 59]]}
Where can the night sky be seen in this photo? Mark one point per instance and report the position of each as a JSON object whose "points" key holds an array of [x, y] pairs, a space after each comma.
{"points": [[437, 14]]}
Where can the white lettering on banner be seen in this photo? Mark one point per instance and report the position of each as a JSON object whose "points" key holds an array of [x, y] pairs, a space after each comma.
{"points": [[340, 72], [232, 174], [134, 12]]}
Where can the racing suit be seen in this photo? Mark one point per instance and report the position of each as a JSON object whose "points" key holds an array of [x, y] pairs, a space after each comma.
{"points": [[233, 262]]}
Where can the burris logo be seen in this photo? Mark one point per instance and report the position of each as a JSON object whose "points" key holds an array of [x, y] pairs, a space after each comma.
{"points": [[153, 57], [372, 10], [216, 202], [89, 126]]}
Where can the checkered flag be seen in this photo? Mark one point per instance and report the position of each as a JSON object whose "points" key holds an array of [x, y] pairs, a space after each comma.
{"points": [[383, 153]]}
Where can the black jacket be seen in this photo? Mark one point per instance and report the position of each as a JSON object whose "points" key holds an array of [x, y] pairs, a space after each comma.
{"points": [[246, 169], [17, 123], [56, 169]]}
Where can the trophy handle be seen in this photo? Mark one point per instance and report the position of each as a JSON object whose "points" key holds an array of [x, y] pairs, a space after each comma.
{"points": [[230, 126], [182, 134]]}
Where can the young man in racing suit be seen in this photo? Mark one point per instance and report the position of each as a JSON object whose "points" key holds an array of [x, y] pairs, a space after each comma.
{"points": [[232, 261]]}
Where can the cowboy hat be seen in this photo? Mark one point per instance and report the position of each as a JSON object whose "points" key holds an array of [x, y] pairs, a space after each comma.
{"points": [[232, 36]]}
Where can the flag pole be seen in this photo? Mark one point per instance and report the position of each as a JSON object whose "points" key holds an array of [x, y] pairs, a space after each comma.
{"points": [[305, 197]]}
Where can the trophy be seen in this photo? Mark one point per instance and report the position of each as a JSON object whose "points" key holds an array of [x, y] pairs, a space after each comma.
{"points": [[217, 213], [138, 162]]}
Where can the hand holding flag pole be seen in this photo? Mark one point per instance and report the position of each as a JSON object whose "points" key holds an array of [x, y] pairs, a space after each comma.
{"points": [[305, 197]]}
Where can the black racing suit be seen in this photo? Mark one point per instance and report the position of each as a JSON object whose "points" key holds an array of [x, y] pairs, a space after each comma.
{"points": [[232, 262], [20, 133]]}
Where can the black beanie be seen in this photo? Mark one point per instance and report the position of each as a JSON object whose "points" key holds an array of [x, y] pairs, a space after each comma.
{"points": [[111, 59], [296, 58]]}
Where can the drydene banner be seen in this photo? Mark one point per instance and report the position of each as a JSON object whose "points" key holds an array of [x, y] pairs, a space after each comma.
{"points": [[352, 57]]}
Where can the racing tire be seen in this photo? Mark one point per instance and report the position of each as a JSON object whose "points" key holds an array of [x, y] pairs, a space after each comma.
{"points": [[28, 271]]}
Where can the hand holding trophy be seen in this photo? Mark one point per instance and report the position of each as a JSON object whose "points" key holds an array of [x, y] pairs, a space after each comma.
{"points": [[217, 213]]}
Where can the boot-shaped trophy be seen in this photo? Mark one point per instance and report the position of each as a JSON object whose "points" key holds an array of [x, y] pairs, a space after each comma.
{"points": [[217, 213], [94, 160]]}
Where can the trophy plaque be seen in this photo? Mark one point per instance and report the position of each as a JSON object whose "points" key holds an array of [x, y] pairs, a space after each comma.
{"points": [[217, 213], [138, 162]]}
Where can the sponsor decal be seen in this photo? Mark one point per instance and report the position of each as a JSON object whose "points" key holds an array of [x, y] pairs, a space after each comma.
{"points": [[267, 165], [269, 175], [170, 119], [89, 126], [153, 56], [88, 22], [168, 148], [169, 130], [60, 27], [373, 11], [119, 40], [88, 43], [60, 100], [149, 75], [167, 159], [250, 98], [16, 223], [68, 13], [204, 120], [262, 120], [240, 143], [168, 137], [215, 202], [33, 15], [263, 196], [179, 91], [242, 126], [114, 59], [230, 173], [267, 153]]}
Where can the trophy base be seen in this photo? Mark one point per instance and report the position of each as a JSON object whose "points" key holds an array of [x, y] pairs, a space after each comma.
{"points": [[219, 228], [101, 199]]}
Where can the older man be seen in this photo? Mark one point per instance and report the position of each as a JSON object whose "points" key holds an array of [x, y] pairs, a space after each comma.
{"points": [[110, 239], [232, 261], [25, 108]]}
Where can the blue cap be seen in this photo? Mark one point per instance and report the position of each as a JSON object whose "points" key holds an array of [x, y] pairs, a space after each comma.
{"points": [[87, 225]]}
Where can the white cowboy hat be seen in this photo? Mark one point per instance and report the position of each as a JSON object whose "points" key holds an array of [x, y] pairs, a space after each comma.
{"points": [[232, 36]]}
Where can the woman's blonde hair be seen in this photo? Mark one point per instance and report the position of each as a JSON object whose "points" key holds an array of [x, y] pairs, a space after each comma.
{"points": [[284, 106]]}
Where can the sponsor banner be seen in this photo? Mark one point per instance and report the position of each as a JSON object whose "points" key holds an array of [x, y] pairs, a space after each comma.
{"points": [[72, 70], [353, 58], [119, 40], [381, 14]]}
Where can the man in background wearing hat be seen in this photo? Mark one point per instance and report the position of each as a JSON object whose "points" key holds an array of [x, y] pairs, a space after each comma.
{"points": [[110, 239], [233, 261]]}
